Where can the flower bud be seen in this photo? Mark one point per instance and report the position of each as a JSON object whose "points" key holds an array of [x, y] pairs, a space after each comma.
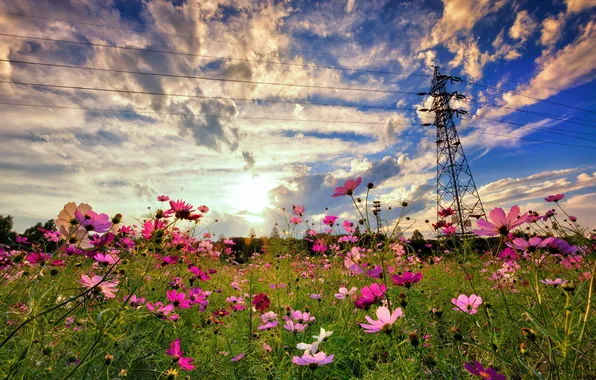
{"points": [[414, 340], [529, 333], [117, 219], [456, 332], [370, 185]]}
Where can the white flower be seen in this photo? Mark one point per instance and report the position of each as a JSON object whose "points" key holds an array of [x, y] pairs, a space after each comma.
{"points": [[323, 334], [312, 348]]}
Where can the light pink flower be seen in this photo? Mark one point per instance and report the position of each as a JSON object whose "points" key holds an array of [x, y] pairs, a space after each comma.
{"points": [[348, 188], [386, 319], [501, 223], [467, 304], [108, 288], [316, 360]]}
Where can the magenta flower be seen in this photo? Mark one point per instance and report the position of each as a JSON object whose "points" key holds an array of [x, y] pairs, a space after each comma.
{"points": [[501, 223], [135, 301], [199, 274], [161, 311], [329, 220], [163, 198], [92, 221], [386, 319], [38, 258], [176, 353], [23, 240], [369, 295], [181, 209], [313, 361], [467, 304], [197, 296], [554, 198], [178, 299], [446, 212], [238, 357], [406, 279], [106, 259], [348, 188], [319, 246], [107, 288], [261, 302], [487, 373], [529, 245], [150, 226]]}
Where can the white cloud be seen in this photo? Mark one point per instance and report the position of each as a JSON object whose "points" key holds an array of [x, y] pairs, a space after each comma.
{"points": [[576, 6], [523, 27], [552, 29]]}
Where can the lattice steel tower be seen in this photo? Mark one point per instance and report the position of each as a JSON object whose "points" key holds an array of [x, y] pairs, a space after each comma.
{"points": [[455, 185]]}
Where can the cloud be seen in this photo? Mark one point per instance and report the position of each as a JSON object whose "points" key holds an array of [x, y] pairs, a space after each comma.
{"points": [[249, 158], [576, 6], [523, 27], [459, 17], [552, 29], [350, 5]]}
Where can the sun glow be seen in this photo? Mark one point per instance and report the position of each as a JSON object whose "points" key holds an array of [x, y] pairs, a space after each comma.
{"points": [[250, 194]]}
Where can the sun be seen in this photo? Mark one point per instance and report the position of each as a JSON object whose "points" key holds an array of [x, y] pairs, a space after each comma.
{"points": [[250, 194]]}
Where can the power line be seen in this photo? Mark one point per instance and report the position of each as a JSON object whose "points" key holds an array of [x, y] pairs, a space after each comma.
{"points": [[249, 100], [131, 48], [526, 125], [175, 35], [557, 133], [529, 97], [479, 130], [541, 114], [198, 115], [170, 75]]}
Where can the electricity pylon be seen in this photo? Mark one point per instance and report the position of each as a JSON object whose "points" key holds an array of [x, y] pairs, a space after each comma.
{"points": [[456, 190]]}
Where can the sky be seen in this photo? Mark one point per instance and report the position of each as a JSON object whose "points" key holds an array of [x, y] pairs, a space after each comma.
{"points": [[315, 93]]}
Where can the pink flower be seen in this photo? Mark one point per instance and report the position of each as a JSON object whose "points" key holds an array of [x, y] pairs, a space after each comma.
{"points": [[178, 299], [369, 295], [23, 240], [67, 219], [295, 220], [203, 209], [467, 304], [199, 274], [344, 292], [555, 282], [198, 296], [329, 220], [163, 198], [106, 259], [229, 242], [92, 221], [449, 230], [386, 319], [348, 188], [294, 327], [181, 209], [446, 212], [554, 198], [108, 288], [135, 301], [319, 246], [176, 353], [313, 361], [161, 311], [406, 279], [298, 210], [501, 223], [150, 226], [487, 373], [38, 258], [238, 357]]}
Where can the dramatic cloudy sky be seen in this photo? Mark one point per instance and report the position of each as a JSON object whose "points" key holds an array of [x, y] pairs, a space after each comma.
{"points": [[259, 156]]}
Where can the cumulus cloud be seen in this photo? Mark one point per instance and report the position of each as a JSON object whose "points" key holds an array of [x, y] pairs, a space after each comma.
{"points": [[576, 6], [523, 27], [552, 29]]}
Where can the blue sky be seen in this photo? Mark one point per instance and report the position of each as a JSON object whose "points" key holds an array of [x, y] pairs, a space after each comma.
{"points": [[262, 156]]}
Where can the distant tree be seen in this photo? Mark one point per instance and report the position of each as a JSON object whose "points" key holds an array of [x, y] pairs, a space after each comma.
{"points": [[252, 234], [222, 237], [35, 235], [7, 236], [274, 233], [417, 236]]}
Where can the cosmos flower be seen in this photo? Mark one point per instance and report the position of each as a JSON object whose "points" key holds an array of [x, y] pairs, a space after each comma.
{"points": [[554, 198], [107, 288], [555, 282], [529, 245], [163, 198], [406, 279], [162, 311], [178, 299], [344, 292], [92, 221], [176, 353], [294, 327], [501, 223], [467, 304], [446, 212], [487, 373], [181, 209], [238, 357], [66, 217], [106, 259], [261, 302], [386, 319], [348, 188], [135, 301], [369, 295], [295, 220], [313, 361], [329, 220], [298, 210]]}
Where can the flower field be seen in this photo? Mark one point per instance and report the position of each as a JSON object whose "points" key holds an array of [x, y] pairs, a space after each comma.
{"points": [[97, 299]]}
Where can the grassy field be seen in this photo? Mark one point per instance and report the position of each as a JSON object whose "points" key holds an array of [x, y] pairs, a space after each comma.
{"points": [[163, 302]]}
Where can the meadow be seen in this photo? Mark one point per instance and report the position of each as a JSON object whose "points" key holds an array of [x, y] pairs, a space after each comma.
{"points": [[96, 299]]}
